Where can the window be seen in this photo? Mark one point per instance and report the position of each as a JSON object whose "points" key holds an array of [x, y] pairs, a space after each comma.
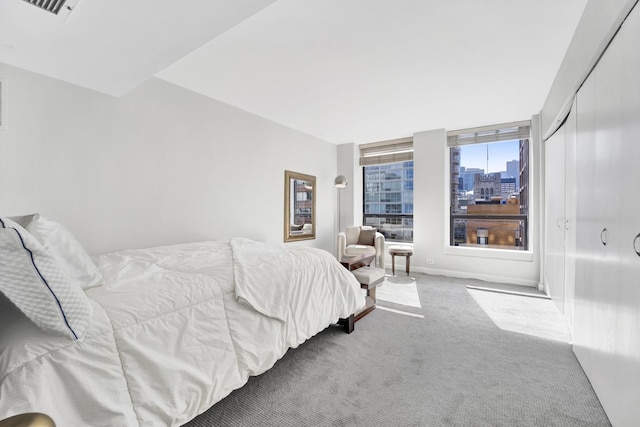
{"points": [[388, 188], [489, 170]]}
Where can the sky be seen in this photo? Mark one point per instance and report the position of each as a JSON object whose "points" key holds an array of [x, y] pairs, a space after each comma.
{"points": [[475, 155]]}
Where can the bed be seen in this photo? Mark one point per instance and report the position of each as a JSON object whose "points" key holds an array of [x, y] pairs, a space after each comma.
{"points": [[171, 331]]}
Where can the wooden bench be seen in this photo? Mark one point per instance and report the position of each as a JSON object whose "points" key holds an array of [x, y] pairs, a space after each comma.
{"points": [[369, 278]]}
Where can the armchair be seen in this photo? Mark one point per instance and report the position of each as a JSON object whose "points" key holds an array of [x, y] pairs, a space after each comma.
{"points": [[359, 240]]}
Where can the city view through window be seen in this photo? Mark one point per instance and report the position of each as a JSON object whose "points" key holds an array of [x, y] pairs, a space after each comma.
{"points": [[388, 199], [489, 194]]}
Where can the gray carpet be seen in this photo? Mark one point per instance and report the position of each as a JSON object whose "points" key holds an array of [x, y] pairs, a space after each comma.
{"points": [[454, 367]]}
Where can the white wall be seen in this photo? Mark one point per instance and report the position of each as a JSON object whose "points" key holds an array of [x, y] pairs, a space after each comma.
{"points": [[159, 165], [350, 197], [431, 223]]}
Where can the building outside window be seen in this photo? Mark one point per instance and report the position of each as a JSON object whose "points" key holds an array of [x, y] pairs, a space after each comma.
{"points": [[388, 188], [303, 203], [489, 174]]}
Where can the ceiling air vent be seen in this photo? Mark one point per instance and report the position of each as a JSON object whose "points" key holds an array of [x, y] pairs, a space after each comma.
{"points": [[61, 8]]}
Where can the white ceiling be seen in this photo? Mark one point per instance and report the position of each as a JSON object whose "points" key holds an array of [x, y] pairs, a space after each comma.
{"points": [[113, 45], [341, 70]]}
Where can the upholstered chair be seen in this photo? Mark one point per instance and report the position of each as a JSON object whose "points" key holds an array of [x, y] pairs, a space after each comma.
{"points": [[360, 240]]}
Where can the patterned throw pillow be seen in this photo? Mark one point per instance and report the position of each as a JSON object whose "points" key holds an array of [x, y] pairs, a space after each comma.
{"points": [[32, 280]]}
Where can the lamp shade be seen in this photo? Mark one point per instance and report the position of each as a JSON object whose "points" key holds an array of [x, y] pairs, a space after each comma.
{"points": [[340, 181]]}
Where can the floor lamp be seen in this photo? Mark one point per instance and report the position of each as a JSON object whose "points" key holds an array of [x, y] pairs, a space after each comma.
{"points": [[340, 182]]}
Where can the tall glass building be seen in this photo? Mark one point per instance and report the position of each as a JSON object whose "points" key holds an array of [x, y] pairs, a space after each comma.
{"points": [[388, 199]]}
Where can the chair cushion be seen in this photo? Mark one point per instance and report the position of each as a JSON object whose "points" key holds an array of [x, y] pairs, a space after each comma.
{"points": [[369, 276], [397, 250], [360, 250]]}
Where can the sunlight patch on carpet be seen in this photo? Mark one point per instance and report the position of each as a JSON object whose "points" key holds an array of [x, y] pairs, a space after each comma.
{"points": [[404, 313], [399, 290], [522, 314]]}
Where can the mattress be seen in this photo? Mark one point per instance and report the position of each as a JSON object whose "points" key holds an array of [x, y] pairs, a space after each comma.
{"points": [[168, 337]]}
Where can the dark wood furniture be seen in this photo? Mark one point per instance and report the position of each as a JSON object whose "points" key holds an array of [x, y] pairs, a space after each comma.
{"points": [[368, 278], [353, 262], [348, 323], [405, 252]]}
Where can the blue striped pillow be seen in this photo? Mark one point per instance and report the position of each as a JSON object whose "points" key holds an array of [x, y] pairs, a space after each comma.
{"points": [[31, 279]]}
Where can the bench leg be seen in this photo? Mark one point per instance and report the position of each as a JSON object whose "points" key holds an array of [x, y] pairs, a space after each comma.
{"points": [[408, 263], [393, 265], [348, 323]]}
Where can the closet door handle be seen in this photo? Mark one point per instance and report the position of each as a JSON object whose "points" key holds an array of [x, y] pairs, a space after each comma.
{"points": [[636, 245], [603, 236]]}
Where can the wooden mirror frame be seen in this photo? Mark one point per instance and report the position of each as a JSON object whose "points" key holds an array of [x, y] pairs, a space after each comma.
{"points": [[299, 212]]}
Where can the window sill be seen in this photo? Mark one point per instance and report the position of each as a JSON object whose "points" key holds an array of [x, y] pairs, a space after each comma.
{"points": [[494, 253]]}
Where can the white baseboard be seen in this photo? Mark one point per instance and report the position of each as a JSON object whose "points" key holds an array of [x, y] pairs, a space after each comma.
{"points": [[485, 277]]}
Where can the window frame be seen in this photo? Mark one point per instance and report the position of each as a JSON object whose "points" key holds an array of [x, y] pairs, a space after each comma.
{"points": [[398, 151], [488, 252]]}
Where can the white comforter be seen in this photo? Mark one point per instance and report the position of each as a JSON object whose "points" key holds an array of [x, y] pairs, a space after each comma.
{"points": [[168, 337]]}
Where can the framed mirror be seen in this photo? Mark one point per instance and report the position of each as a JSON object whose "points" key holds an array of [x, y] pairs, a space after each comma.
{"points": [[299, 206]]}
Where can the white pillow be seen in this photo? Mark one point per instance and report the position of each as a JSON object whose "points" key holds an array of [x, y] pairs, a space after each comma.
{"points": [[66, 250], [31, 279], [23, 220], [352, 234]]}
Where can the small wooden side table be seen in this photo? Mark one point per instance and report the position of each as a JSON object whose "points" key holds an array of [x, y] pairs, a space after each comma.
{"points": [[400, 251]]}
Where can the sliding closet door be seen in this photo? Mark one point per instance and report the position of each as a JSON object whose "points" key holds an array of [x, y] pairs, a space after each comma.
{"points": [[607, 308], [560, 191], [609, 176], [598, 154], [571, 183], [587, 246], [599, 204], [554, 190], [626, 377]]}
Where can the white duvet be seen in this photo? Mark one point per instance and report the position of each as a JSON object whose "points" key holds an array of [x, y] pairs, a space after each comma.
{"points": [[168, 337]]}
